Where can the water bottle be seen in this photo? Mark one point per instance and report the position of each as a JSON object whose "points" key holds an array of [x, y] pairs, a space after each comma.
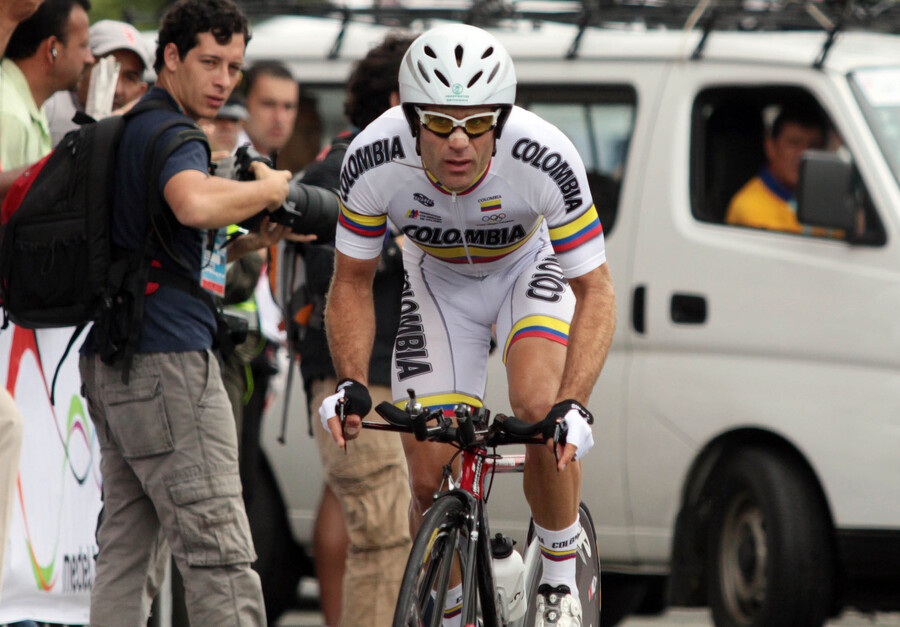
{"points": [[509, 576]]}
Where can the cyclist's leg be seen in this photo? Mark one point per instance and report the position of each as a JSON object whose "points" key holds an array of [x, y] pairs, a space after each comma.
{"points": [[437, 305], [533, 328]]}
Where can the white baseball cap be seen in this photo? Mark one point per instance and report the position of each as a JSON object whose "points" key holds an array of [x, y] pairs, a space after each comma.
{"points": [[109, 35]]}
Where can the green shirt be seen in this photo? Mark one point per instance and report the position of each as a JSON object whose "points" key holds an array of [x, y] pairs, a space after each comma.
{"points": [[24, 131]]}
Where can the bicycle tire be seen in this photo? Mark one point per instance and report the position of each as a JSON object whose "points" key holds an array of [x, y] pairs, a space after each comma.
{"points": [[587, 572], [430, 561]]}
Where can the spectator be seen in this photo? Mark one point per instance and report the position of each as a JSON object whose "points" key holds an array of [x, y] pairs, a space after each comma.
{"points": [[47, 53], [272, 97], [368, 491], [167, 437], [223, 130], [107, 38], [768, 201], [11, 13]]}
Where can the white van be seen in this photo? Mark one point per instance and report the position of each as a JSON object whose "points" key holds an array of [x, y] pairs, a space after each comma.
{"points": [[748, 416]]}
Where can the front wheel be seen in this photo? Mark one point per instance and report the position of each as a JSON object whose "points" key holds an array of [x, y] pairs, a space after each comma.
{"points": [[423, 592], [769, 558], [587, 572]]}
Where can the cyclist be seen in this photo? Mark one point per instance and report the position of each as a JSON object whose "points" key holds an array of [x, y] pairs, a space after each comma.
{"points": [[500, 229]]}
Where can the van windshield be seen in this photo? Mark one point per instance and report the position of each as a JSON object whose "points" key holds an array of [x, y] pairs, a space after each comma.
{"points": [[878, 90]]}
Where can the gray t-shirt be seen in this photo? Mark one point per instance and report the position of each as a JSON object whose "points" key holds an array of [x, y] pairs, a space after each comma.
{"points": [[60, 108]]}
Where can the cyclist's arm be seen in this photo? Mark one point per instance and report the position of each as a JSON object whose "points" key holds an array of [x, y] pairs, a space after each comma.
{"points": [[350, 325], [350, 316], [590, 333]]}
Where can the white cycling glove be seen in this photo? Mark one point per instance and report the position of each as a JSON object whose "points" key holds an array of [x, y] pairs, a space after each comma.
{"points": [[358, 401], [578, 422]]}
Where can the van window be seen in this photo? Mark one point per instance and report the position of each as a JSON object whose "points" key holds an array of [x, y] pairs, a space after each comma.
{"points": [[599, 121], [741, 177]]}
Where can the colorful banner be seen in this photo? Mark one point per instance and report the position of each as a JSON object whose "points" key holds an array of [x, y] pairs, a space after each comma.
{"points": [[49, 567]]}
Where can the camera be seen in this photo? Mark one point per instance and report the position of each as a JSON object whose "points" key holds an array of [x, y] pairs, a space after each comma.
{"points": [[308, 210]]}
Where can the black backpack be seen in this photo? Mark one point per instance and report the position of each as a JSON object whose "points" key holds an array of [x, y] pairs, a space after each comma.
{"points": [[58, 266]]}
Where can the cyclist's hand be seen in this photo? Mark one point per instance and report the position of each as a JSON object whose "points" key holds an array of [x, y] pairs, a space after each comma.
{"points": [[357, 404], [579, 439]]}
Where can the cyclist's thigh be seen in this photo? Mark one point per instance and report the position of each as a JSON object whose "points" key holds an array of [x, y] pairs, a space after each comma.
{"points": [[533, 333], [443, 338]]}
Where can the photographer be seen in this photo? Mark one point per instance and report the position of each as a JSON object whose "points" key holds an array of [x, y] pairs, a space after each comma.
{"points": [[167, 436]]}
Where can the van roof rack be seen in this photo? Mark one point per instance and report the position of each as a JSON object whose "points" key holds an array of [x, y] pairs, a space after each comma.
{"points": [[706, 16], [740, 15]]}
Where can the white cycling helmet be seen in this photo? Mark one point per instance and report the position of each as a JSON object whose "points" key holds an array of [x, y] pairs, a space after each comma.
{"points": [[457, 65]]}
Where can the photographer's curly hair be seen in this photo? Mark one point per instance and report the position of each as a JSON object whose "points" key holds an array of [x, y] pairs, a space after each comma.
{"points": [[374, 79], [188, 18]]}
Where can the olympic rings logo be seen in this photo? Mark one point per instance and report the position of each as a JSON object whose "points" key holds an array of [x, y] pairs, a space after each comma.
{"points": [[495, 217]]}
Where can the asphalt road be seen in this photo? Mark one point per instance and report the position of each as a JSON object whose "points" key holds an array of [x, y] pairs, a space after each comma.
{"points": [[310, 617]]}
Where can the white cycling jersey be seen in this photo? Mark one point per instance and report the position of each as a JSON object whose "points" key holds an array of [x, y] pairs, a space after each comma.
{"points": [[534, 181], [496, 253]]}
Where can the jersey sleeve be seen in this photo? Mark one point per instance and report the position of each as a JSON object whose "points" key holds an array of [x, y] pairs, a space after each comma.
{"points": [[362, 222], [575, 230]]}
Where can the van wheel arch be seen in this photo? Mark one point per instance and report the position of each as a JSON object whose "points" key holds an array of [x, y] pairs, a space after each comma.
{"points": [[688, 580]]}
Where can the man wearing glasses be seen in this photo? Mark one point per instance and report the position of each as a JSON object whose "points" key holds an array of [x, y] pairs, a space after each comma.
{"points": [[500, 230]]}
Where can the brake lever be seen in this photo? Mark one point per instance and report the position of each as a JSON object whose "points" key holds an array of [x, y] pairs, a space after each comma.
{"points": [[342, 415], [560, 431]]}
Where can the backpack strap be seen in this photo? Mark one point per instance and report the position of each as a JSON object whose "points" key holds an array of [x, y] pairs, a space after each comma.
{"points": [[138, 267]]}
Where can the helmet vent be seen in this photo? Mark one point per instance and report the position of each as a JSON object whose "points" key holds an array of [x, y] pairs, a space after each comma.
{"points": [[430, 52], [442, 78], [474, 79], [458, 51], [493, 73], [423, 72], [488, 53]]}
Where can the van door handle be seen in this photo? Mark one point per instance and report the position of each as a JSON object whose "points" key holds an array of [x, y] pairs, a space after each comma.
{"points": [[688, 309], [638, 299]]}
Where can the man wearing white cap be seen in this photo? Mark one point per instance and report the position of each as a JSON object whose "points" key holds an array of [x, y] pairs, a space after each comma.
{"points": [[108, 38]]}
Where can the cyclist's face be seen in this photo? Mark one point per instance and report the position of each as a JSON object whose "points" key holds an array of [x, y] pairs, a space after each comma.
{"points": [[458, 160]]}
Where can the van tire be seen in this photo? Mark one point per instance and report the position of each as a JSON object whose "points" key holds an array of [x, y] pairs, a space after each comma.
{"points": [[769, 556]]}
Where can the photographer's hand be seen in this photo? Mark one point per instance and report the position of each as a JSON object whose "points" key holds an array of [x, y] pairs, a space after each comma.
{"points": [[278, 180], [266, 233]]}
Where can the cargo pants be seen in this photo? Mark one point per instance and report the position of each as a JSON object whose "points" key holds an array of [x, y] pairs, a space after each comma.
{"points": [[169, 464]]}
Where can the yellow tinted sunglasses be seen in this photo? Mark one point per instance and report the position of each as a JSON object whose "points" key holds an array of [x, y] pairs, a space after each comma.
{"points": [[443, 125]]}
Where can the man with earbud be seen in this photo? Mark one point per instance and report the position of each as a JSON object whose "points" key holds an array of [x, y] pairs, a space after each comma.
{"points": [[47, 53]]}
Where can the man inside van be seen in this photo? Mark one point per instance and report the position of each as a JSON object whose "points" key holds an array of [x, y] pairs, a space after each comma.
{"points": [[500, 228], [768, 200]]}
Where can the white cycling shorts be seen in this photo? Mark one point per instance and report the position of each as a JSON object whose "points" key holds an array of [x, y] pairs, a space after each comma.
{"points": [[444, 336]]}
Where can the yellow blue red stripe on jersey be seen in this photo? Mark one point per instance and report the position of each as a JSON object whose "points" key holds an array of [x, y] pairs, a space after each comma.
{"points": [[584, 227], [445, 402], [478, 254], [546, 327], [559, 556], [367, 226], [437, 184], [490, 205]]}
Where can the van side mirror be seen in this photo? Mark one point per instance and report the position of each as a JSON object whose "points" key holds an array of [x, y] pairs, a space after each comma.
{"points": [[824, 193]]}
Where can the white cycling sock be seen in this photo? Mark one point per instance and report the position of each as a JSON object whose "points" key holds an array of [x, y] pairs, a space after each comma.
{"points": [[453, 607], [558, 555]]}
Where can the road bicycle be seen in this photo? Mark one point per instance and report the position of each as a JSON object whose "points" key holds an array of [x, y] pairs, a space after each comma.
{"points": [[455, 528]]}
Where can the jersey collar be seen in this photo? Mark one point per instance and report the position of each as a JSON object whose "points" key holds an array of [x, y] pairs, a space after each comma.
{"points": [[437, 184]]}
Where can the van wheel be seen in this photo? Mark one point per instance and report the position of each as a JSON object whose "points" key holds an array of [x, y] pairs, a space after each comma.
{"points": [[769, 556]]}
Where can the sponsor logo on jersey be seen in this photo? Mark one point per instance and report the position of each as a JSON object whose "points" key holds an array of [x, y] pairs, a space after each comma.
{"points": [[492, 237], [553, 165], [418, 214], [425, 200], [366, 157], [410, 345]]}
